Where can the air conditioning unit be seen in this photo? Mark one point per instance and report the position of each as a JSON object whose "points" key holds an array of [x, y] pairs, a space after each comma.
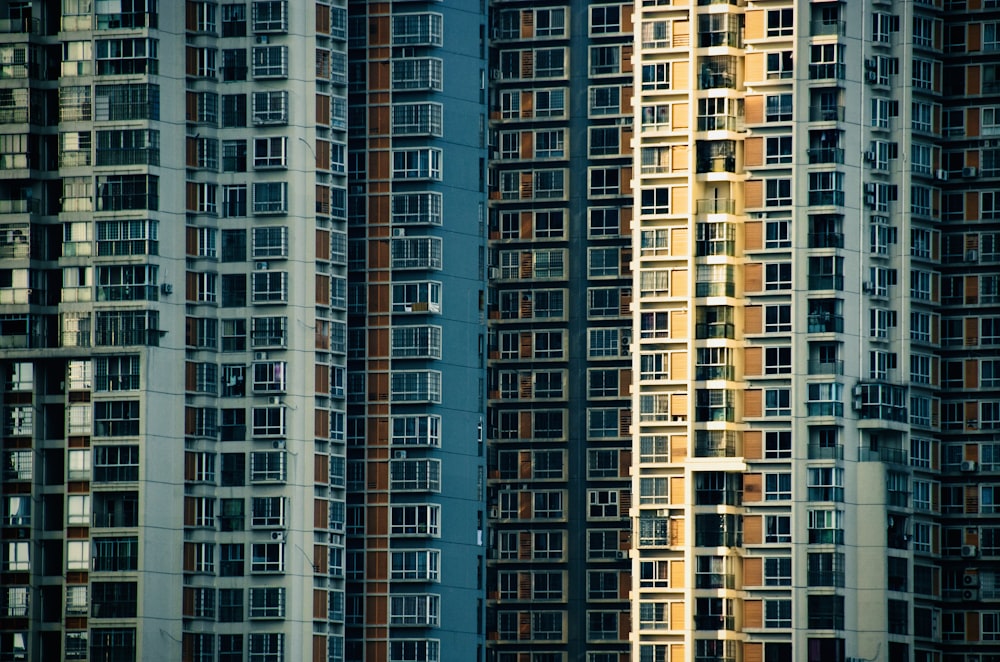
{"points": [[663, 512], [969, 551], [972, 256], [870, 199], [871, 76], [260, 266], [970, 579], [496, 74], [870, 189], [941, 175], [969, 172], [261, 39], [621, 554], [626, 346], [278, 444], [871, 64], [494, 273], [869, 156], [399, 232], [260, 356], [494, 513], [970, 594], [166, 288], [867, 287], [399, 455], [278, 536], [968, 465]]}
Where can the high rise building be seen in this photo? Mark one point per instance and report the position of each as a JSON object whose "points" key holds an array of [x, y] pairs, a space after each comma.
{"points": [[560, 330], [189, 470], [416, 342], [814, 327]]}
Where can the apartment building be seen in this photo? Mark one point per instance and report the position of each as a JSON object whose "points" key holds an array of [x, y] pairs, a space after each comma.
{"points": [[559, 307], [815, 405], [416, 344], [189, 471]]}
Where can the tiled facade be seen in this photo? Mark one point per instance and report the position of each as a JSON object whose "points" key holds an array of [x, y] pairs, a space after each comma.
{"points": [[813, 313], [181, 434]]}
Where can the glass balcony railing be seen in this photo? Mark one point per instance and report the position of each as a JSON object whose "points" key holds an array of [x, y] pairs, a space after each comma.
{"points": [[716, 206], [826, 240], [825, 323], [827, 70], [826, 155], [826, 113]]}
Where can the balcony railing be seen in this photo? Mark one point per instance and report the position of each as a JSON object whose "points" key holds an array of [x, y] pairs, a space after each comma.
{"points": [[826, 282], [714, 372], [817, 452], [703, 330], [720, 123], [825, 578], [713, 448], [817, 367], [826, 240], [716, 164], [725, 289], [827, 70], [825, 408], [825, 198], [23, 206], [715, 247], [712, 622], [715, 580], [826, 113], [817, 28], [826, 155], [890, 455], [826, 536], [825, 323], [716, 206]]}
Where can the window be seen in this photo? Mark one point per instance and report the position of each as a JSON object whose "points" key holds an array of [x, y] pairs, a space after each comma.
{"points": [[778, 572], [777, 529], [655, 77], [269, 152], [605, 100], [778, 108], [605, 60], [777, 192], [777, 486], [780, 23], [777, 613], [267, 557], [270, 108], [605, 19], [263, 646], [415, 520], [416, 164], [778, 276], [270, 197], [270, 16], [125, 56], [778, 318]]}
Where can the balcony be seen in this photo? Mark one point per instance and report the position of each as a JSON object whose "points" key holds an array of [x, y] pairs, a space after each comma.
{"points": [[826, 240], [826, 113], [731, 38], [21, 26], [715, 206], [22, 206], [825, 155], [827, 70]]}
